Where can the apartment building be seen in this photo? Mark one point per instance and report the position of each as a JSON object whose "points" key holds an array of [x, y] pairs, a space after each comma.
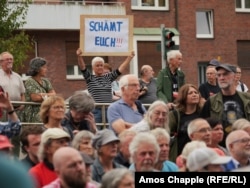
{"points": [[203, 29]]}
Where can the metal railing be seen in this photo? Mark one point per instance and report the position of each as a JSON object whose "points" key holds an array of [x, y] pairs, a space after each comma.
{"points": [[102, 105]]}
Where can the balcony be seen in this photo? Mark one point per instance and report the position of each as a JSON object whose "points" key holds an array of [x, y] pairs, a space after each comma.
{"points": [[65, 15]]}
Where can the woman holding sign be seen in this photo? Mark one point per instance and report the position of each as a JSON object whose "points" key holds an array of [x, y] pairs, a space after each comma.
{"points": [[99, 84]]}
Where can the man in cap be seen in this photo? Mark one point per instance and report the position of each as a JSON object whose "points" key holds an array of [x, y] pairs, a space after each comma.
{"points": [[106, 144], [51, 140], [206, 160], [70, 168], [228, 105], [5, 145]]}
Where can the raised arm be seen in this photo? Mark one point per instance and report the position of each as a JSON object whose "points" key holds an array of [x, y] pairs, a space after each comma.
{"points": [[125, 63], [80, 60]]}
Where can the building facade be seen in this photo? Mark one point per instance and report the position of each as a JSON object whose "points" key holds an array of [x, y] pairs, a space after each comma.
{"points": [[204, 30]]}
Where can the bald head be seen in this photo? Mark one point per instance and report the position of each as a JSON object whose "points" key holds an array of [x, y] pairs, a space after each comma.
{"points": [[63, 155], [234, 136]]}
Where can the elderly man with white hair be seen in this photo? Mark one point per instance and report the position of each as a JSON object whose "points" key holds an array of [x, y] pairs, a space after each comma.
{"points": [[144, 152]]}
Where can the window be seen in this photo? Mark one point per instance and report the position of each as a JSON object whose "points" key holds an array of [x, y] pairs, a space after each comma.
{"points": [[242, 5], [150, 5], [204, 24], [202, 72], [243, 56]]}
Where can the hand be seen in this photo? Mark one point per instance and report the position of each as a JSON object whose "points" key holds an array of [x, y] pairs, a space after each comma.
{"points": [[79, 52], [171, 106], [91, 119], [5, 102], [132, 54]]}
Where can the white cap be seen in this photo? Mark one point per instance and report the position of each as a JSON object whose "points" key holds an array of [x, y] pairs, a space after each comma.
{"points": [[201, 157]]}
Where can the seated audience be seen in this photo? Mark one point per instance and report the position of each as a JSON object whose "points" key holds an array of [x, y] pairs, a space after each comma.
{"points": [[144, 151], [30, 138], [106, 144], [118, 178], [206, 160], [128, 110], [70, 169], [123, 156], [51, 140], [82, 141], [80, 116], [163, 164]]}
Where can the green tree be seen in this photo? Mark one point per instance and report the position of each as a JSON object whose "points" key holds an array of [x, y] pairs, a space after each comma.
{"points": [[12, 37]]}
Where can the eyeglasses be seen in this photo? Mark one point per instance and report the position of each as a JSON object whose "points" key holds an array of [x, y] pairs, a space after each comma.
{"points": [[242, 140], [57, 107], [134, 85], [204, 130], [161, 113], [7, 59]]}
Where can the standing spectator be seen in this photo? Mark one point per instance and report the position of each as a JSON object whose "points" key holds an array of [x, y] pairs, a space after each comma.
{"points": [[13, 126], [80, 116], [99, 84], [123, 156], [12, 83], [229, 104], [210, 87], [171, 78], [6, 147], [240, 86], [144, 151], [163, 164], [188, 107], [82, 141], [70, 169], [127, 110], [148, 85], [106, 144], [37, 87], [30, 138], [52, 112], [116, 93], [238, 145], [118, 178], [51, 140]]}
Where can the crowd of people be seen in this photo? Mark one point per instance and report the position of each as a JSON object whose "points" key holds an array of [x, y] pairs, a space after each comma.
{"points": [[184, 128]]}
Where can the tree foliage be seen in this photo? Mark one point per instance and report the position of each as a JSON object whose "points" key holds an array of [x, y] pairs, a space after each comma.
{"points": [[12, 37]]}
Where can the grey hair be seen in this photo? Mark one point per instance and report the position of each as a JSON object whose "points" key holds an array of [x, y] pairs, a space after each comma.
{"points": [[194, 125], [3, 53], [151, 110], [160, 132], [172, 54], [241, 123], [97, 59], [81, 102], [84, 134], [112, 178], [124, 81], [143, 137]]}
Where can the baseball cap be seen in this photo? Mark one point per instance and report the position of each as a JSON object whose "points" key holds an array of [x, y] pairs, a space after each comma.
{"points": [[214, 62], [227, 67], [103, 137], [5, 142], [201, 157], [53, 133], [87, 159]]}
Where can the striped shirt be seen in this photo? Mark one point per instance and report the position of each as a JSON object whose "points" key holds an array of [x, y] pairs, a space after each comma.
{"points": [[100, 86]]}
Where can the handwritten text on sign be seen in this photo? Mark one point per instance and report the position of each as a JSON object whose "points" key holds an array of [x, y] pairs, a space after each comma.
{"points": [[106, 35]]}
